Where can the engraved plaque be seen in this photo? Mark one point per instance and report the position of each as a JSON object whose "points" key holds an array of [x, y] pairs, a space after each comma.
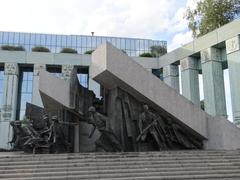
{"points": [[232, 45]]}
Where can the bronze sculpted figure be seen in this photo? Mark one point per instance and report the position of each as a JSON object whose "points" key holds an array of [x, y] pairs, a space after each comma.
{"points": [[150, 125], [56, 137], [107, 141]]}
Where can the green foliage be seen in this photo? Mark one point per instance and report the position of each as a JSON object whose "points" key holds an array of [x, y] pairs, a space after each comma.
{"points": [[12, 48], [68, 50], [145, 55], [158, 50], [40, 49], [89, 52], [211, 14]]}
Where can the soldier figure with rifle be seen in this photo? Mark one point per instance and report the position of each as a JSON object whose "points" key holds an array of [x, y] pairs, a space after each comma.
{"points": [[150, 124]]}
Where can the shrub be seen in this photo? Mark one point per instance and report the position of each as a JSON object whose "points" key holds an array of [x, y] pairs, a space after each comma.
{"points": [[68, 50], [145, 55], [12, 48], [89, 52], [158, 50], [40, 49]]}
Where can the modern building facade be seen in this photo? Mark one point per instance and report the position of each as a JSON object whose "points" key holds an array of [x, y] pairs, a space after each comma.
{"points": [[81, 43], [19, 70]]}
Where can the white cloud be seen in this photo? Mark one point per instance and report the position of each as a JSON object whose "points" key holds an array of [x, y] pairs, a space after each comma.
{"points": [[180, 39], [135, 18]]}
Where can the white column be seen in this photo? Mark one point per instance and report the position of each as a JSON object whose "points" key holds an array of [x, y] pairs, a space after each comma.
{"points": [[8, 114], [36, 98], [233, 58], [189, 79], [171, 76], [213, 82]]}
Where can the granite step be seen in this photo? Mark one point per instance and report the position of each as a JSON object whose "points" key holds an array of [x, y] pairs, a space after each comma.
{"points": [[122, 166]]}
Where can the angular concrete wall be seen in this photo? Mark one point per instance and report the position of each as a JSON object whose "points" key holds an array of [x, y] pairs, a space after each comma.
{"points": [[55, 88], [112, 68]]}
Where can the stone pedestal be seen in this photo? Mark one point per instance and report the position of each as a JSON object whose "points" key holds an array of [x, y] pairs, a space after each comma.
{"points": [[189, 79], [233, 58], [9, 107], [213, 82], [171, 76], [36, 99]]}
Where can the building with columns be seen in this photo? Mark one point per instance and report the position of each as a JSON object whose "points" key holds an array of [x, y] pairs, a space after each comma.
{"points": [[208, 55]]}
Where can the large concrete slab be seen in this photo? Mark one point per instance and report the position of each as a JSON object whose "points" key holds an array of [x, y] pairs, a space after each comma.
{"points": [[54, 87], [112, 68]]}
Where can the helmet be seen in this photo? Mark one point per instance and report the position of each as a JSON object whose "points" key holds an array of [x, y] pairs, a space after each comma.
{"points": [[91, 109], [55, 118], [145, 107]]}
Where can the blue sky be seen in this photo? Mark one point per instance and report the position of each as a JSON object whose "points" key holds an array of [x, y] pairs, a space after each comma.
{"points": [[154, 19]]}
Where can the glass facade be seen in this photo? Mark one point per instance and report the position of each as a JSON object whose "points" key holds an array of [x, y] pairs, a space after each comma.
{"points": [[83, 79], [25, 90], [82, 43], [1, 85]]}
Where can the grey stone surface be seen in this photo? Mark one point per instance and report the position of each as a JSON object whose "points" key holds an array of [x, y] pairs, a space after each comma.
{"points": [[57, 89], [36, 99], [171, 76], [175, 165], [189, 78], [222, 134], [233, 57], [213, 82], [8, 111]]}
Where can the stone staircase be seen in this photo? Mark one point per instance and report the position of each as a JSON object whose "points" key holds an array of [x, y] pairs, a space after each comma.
{"points": [[121, 166]]}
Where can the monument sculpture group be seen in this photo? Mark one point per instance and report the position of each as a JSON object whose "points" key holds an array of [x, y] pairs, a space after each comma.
{"points": [[136, 126], [132, 114]]}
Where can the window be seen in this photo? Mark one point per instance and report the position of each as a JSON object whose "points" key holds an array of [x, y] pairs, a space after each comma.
{"points": [[1, 85], [5, 37], [24, 90], [33, 39], [56, 70], [158, 73], [11, 38], [27, 39], [69, 41], [82, 74], [48, 40]]}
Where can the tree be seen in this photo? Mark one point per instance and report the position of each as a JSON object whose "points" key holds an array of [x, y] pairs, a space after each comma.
{"points": [[158, 50], [211, 14]]}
